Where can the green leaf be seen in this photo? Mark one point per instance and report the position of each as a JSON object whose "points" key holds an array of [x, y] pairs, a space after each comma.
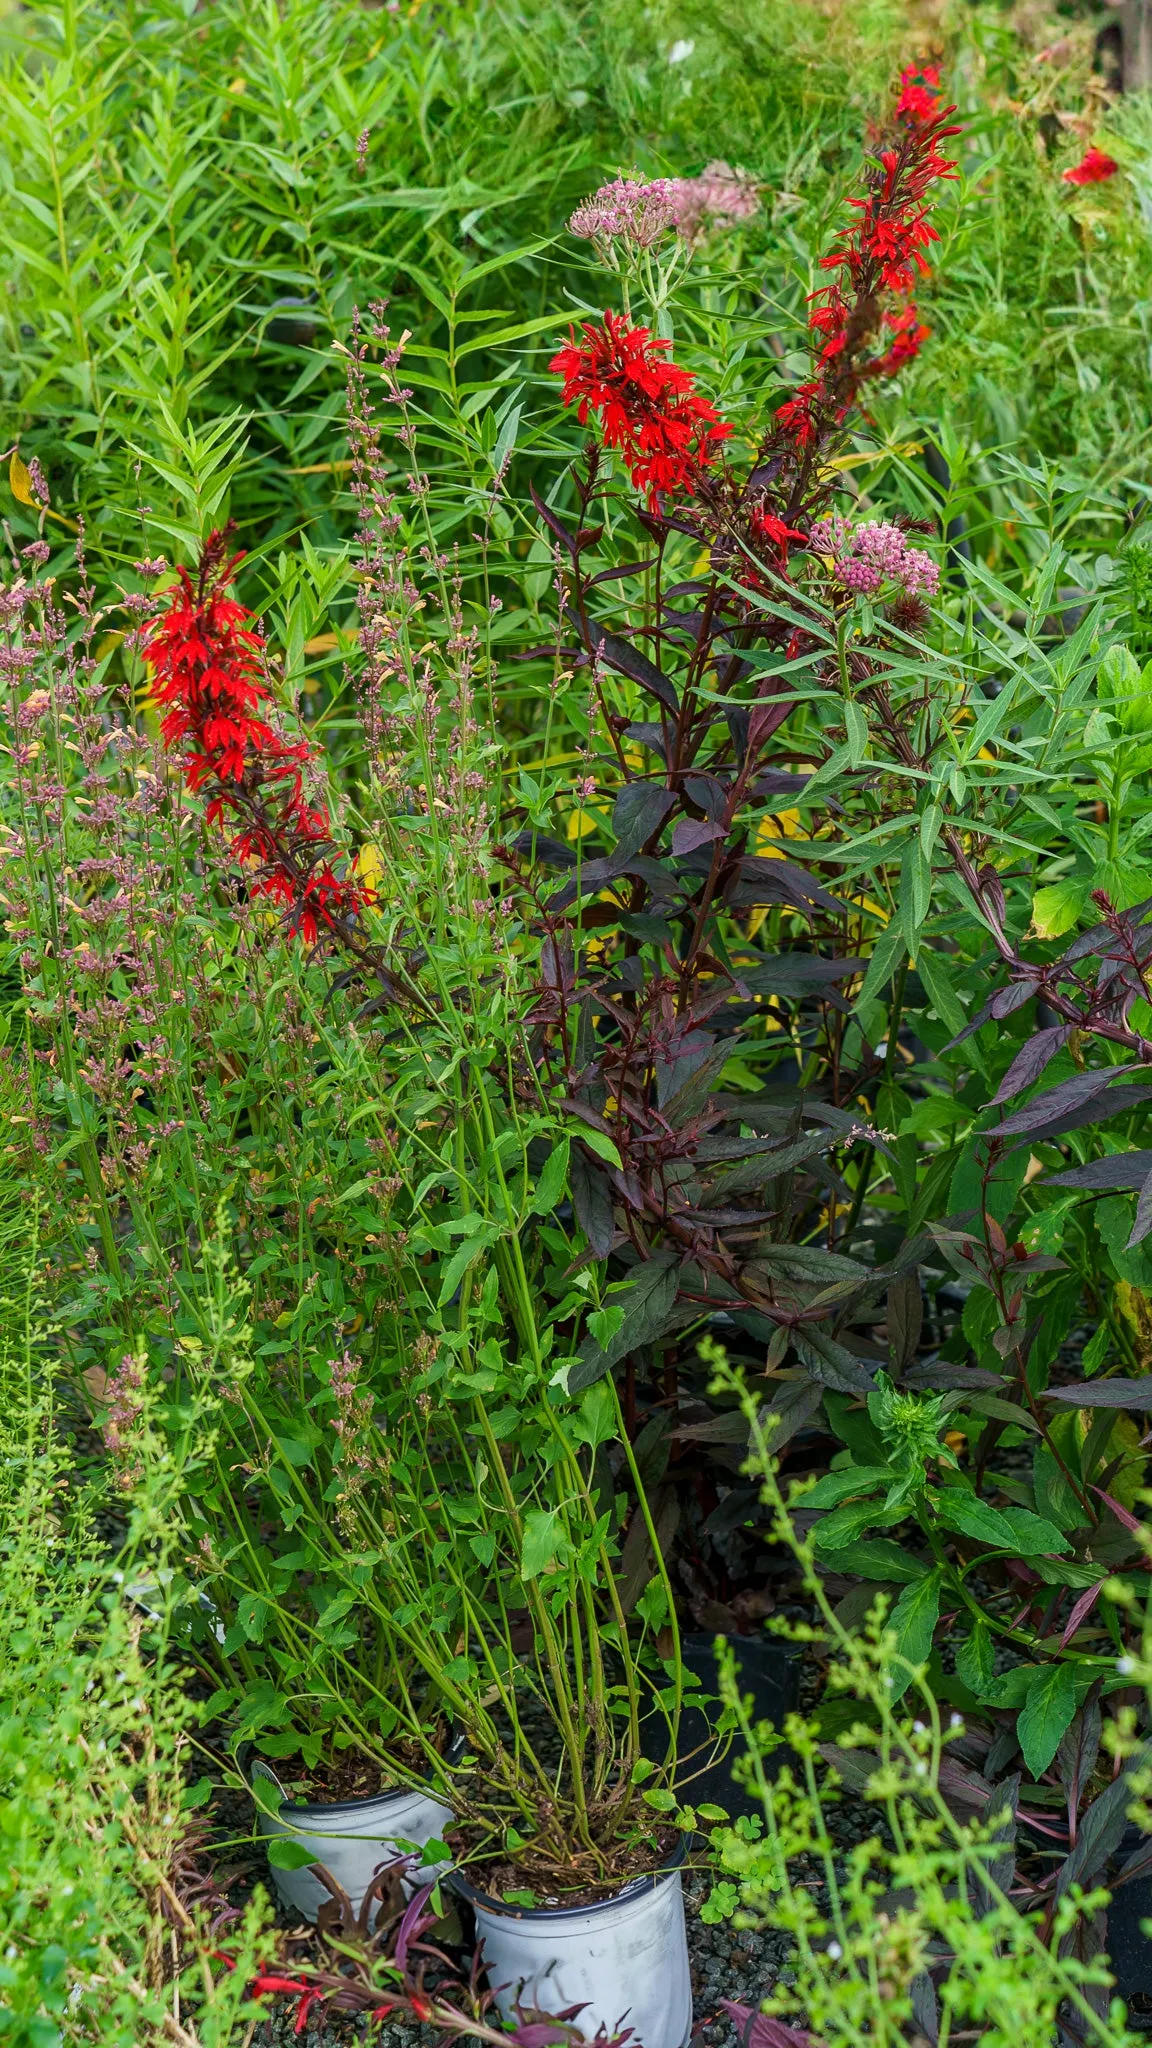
{"points": [[543, 1538], [460, 1261], [1046, 1715], [947, 1005], [876, 1557], [664, 1802], [1033, 1534], [1056, 909], [252, 1611], [913, 1624], [837, 1486], [845, 1524], [286, 1853], [856, 728], [552, 1182], [1054, 1493], [600, 1143], [975, 1664], [961, 1511], [594, 1422], [886, 955]]}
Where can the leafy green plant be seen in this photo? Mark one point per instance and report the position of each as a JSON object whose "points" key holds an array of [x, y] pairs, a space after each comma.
{"points": [[925, 1927]]}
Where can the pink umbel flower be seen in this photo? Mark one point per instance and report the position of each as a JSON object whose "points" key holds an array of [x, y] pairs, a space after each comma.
{"points": [[626, 211], [720, 193], [866, 557]]}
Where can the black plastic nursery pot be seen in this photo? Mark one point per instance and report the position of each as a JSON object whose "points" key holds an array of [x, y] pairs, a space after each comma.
{"points": [[623, 1960], [768, 1670]]}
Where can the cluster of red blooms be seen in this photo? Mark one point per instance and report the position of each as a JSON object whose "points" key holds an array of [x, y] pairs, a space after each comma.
{"points": [[882, 255], [206, 662], [1093, 168], [648, 407]]}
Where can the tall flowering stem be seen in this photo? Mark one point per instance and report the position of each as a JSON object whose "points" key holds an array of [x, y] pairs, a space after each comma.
{"points": [[207, 662], [864, 325], [629, 1026]]}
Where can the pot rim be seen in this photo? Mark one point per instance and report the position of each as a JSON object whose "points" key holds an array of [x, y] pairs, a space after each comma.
{"points": [[321, 1809], [458, 1880]]}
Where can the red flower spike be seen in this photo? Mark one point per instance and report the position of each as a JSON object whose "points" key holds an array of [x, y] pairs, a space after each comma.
{"points": [[881, 254], [207, 666], [1093, 168], [647, 406], [920, 93]]}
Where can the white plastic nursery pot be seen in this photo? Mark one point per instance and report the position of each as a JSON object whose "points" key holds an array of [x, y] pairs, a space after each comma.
{"points": [[350, 1837], [624, 1959]]}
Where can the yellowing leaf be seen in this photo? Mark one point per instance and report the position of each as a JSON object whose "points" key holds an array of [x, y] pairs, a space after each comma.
{"points": [[20, 481], [322, 644], [370, 865], [1056, 909]]}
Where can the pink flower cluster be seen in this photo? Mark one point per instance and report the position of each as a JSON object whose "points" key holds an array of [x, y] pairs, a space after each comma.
{"points": [[865, 557], [720, 193], [626, 211], [641, 214]]}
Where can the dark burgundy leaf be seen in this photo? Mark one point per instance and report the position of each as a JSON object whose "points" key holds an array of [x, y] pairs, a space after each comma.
{"points": [[551, 520], [689, 833], [1109, 1393], [905, 1318], [709, 793], [794, 1404], [1101, 1831], [777, 782], [830, 1363], [942, 1377], [1032, 1059], [629, 661], [624, 569], [1101, 939], [1143, 1222], [757, 2030], [1011, 998], [553, 852], [1055, 1102], [790, 973], [639, 811], [1120, 1170], [1099, 1109], [781, 881], [591, 1202], [650, 736], [1138, 1864]]}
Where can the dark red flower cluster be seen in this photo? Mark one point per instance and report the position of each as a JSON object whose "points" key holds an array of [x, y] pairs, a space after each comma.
{"points": [[1093, 168], [880, 257], [648, 407], [207, 676]]}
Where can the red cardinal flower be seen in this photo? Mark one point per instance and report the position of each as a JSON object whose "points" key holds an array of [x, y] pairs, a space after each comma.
{"points": [[206, 660], [768, 527], [882, 252], [647, 406], [920, 93], [1093, 168]]}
